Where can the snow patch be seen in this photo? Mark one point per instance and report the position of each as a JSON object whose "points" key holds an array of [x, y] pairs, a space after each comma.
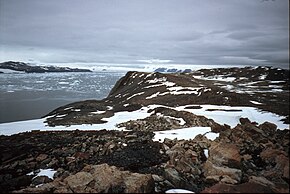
{"points": [[153, 95], [68, 108], [181, 120], [220, 116], [43, 172], [216, 78], [178, 191], [205, 151], [137, 94], [254, 102], [262, 77], [98, 112], [184, 133], [232, 117]]}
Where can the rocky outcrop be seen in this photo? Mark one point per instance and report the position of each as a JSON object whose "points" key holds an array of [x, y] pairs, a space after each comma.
{"points": [[223, 164], [98, 179], [24, 67], [163, 118], [248, 158]]}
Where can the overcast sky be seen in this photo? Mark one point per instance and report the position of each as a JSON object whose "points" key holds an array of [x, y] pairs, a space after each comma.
{"points": [[246, 32]]}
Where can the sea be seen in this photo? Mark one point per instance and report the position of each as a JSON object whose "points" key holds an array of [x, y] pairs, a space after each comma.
{"points": [[25, 96]]}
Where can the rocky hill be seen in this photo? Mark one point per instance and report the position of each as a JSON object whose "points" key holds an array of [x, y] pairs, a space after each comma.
{"points": [[250, 157], [24, 67], [262, 87]]}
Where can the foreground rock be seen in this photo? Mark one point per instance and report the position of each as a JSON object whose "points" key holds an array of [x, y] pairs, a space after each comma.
{"points": [[248, 158], [98, 179]]}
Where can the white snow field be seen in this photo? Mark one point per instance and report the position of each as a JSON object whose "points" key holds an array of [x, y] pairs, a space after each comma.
{"points": [[230, 117]]}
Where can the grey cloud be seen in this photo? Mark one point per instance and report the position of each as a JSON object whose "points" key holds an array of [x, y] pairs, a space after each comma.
{"points": [[183, 31]]}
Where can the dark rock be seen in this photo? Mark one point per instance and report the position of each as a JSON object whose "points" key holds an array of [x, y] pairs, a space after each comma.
{"points": [[24, 67], [244, 121], [136, 156], [173, 176], [40, 180], [242, 188]]}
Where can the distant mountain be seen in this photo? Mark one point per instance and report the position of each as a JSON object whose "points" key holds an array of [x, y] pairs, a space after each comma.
{"points": [[27, 68], [173, 70]]}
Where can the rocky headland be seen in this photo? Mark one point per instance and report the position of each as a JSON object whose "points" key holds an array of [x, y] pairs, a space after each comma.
{"points": [[250, 157], [27, 68]]}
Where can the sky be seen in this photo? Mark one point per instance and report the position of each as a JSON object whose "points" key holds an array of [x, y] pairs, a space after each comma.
{"points": [[220, 32]]}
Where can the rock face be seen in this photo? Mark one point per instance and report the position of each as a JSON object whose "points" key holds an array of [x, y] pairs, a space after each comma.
{"points": [[24, 67]]}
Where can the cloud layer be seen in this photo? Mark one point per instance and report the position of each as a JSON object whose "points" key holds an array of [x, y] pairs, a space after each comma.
{"points": [[248, 32]]}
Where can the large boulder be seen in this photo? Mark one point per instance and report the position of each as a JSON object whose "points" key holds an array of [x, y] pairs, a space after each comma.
{"points": [[98, 179], [222, 174], [242, 188], [226, 154]]}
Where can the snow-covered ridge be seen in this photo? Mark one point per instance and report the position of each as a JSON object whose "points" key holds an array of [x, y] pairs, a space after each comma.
{"points": [[220, 116]]}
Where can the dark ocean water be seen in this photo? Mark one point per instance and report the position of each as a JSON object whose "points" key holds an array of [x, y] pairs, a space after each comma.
{"points": [[31, 96]]}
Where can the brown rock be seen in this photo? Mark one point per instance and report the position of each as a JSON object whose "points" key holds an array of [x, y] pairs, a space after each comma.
{"points": [[41, 157], [242, 188], [254, 129], [138, 183], [110, 178], [282, 165], [261, 181], [173, 176], [81, 155], [244, 121], [269, 154], [45, 188], [268, 127], [98, 178], [211, 170], [225, 154], [40, 180], [79, 180]]}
